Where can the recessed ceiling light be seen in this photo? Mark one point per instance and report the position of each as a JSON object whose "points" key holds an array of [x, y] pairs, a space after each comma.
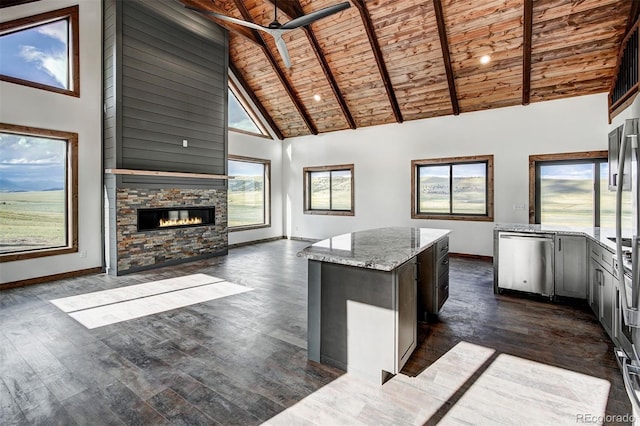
{"points": [[485, 59], [317, 97]]}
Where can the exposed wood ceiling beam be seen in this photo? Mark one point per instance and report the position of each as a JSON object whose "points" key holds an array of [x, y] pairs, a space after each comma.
{"points": [[375, 46], [444, 45], [236, 72], [527, 35], [238, 29], [274, 64], [293, 9]]}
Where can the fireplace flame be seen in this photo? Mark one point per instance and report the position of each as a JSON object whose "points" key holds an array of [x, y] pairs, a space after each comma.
{"points": [[179, 222]]}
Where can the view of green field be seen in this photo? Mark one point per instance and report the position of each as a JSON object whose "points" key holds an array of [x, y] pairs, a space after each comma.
{"points": [[32, 220], [334, 194], [569, 202], [468, 195], [245, 201]]}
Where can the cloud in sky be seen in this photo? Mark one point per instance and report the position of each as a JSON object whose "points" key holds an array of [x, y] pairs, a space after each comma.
{"points": [[57, 30], [21, 150], [54, 64], [31, 164]]}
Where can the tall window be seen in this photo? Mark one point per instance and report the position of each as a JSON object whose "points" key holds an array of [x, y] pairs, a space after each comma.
{"points": [[572, 189], [329, 190], [42, 51], [452, 188], [249, 193], [38, 192], [241, 117]]}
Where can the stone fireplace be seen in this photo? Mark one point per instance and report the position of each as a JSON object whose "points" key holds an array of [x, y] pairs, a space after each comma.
{"points": [[195, 227]]}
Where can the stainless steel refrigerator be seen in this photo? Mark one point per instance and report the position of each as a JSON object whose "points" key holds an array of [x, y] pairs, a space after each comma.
{"points": [[625, 177]]}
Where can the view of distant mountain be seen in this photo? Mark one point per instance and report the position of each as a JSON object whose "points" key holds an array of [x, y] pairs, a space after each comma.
{"points": [[7, 185]]}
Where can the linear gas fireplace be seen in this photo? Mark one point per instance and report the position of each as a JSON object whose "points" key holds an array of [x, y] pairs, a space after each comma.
{"points": [[176, 217]]}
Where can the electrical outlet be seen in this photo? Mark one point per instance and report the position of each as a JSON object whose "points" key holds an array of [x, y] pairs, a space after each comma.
{"points": [[83, 253], [185, 143]]}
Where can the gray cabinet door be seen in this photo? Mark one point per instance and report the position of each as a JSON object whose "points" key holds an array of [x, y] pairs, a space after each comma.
{"points": [[571, 266], [407, 315], [595, 278], [607, 293]]}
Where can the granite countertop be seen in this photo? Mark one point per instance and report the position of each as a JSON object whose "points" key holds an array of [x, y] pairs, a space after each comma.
{"points": [[599, 235], [383, 249]]}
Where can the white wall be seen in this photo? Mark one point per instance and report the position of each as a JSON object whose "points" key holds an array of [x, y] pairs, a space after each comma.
{"points": [[265, 149], [382, 159], [27, 106]]}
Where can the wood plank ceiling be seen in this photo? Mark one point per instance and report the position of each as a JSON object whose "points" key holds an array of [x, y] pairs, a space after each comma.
{"points": [[385, 61]]}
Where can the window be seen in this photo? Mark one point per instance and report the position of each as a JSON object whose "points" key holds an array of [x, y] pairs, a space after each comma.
{"points": [[38, 192], [572, 190], [249, 193], [41, 51], [452, 188], [329, 190], [241, 118]]}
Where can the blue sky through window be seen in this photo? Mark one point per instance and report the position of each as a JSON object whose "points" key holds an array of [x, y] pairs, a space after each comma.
{"points": [[567, 171], [239, 118], [38, 54], [31, 163]]}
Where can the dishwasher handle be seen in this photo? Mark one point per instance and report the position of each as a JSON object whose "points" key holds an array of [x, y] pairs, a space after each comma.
{"points": [[535, 237]]}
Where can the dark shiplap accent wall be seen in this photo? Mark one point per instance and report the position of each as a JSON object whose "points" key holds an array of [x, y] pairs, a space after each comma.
{"points": [[170, 77], [165, 80], [110, 131]]}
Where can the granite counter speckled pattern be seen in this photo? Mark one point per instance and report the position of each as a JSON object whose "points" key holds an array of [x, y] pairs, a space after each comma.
{"points": [[383, 249], [599, 235]]}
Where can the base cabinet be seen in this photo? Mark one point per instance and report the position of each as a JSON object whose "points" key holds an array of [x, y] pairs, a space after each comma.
{"points": [[433, 279], [602, 285], [571, 266], [362, 320]]}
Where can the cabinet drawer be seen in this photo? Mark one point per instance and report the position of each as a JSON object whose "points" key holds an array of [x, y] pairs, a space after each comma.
{"points": [[601, 255], [443, 290], [443, 266], [442, 247]]}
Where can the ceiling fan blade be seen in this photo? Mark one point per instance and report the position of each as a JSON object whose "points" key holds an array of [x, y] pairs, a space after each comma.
{"points": [[229, 19], [314, 16], [282, 48]]}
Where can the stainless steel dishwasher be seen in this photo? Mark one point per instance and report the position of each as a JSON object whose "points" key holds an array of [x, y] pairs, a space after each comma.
{"points": [[526, 262]]}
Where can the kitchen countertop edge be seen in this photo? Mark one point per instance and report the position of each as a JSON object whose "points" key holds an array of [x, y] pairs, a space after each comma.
{"points": [[375, 256], [598, 235]]}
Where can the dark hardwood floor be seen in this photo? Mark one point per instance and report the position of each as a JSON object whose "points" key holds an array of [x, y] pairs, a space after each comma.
{"points": [[242, 359]]}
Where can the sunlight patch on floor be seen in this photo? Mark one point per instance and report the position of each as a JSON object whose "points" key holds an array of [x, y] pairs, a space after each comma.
{"points": [[507, 390], [106, 307], [514, 390]]}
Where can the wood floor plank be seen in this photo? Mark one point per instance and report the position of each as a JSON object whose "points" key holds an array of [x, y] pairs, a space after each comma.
{"points": [[242, 359]]}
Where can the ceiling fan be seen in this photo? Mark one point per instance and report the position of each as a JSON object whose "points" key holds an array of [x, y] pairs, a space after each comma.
{"points": [[275, 29]]}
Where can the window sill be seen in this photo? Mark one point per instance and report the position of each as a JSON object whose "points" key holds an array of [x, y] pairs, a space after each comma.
{"points": [[453, 217], [330, 212], [248, 227]]}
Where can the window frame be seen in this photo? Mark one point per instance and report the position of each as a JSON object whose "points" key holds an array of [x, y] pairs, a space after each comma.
{"points": [[267, 193], [306, 171], [250, 112], [451, 161], [71, 190], [73, 54], [550, 159]]}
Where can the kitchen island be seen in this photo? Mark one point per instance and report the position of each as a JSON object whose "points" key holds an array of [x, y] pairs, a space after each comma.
{"points": [[364, 296]]}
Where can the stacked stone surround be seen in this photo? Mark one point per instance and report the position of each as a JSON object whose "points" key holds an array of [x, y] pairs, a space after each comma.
{"points": [[155, 248]]}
